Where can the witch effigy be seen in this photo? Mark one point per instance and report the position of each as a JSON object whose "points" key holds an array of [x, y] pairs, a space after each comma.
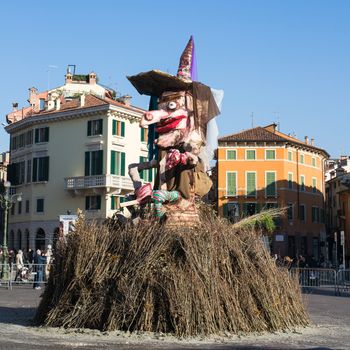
{"points": [[182, 137]]}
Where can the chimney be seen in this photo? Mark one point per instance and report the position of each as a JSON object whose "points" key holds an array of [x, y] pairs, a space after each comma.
{"points": [[271, 127], [126, 100], [307, 140], [50, 102], [82, 100], [92, 78], [14, 106], [312, 142], [58, 104], [69, 78]]}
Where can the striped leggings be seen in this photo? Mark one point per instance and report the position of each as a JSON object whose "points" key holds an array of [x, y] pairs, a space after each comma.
{"points": [[159, 197]]}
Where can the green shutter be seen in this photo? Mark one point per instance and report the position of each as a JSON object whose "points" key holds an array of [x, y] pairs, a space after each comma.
{"points": [[46, 169], [142, 130], [225, 210], [99, 165], [113, 170], [270, 184], [87, 203], [250, 154], [251, 189], [231, 184], [87, 164], [270, 154], [231, 154], [35, 169], [88, 129], [46, 134], [112, 202], [122, 129], [98, 202], [100, 126], [114, 127], [122, 161]]}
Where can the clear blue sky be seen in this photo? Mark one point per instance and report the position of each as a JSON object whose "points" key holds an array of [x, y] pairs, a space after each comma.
{"points": [[286, 61]]}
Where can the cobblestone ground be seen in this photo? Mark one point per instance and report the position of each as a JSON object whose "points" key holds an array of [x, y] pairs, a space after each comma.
{"points": [[330, 330]]}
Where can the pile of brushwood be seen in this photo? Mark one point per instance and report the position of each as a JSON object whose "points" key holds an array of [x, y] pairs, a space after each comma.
{"points": [[209, 280]]}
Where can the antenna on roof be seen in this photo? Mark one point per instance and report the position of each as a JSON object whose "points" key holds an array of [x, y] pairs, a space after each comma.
{"points": [[71, 69], [277, 120], [50, 67]]}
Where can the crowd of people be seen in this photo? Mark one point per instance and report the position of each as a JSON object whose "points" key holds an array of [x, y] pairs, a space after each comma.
{"points": [[27, 263], [301, 261]]}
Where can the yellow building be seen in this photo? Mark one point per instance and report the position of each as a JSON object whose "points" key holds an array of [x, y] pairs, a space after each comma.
{"points": [[264, 168]]}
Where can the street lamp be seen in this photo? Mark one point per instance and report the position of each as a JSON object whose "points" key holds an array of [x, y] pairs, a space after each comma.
{"points": [[6, 202]]}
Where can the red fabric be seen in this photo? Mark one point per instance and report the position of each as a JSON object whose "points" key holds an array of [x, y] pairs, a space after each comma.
{"points": [[169, 124], [174, 157]]}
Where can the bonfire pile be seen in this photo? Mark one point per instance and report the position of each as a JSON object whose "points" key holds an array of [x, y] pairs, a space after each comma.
{"points": [[206, 280]]}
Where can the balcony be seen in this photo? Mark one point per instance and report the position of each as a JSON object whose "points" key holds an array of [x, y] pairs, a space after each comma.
{"points": [[110, 182]]}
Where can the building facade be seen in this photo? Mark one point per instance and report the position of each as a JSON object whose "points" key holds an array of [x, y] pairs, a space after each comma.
{"points": [[70, 151], [338, 209], [264, 168]]}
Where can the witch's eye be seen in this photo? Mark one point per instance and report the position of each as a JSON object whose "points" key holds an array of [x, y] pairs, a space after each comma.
{"points": [[172, 105]]}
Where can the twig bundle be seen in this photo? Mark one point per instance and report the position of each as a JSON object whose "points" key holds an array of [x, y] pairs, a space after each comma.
{"points": [[206, 280]]}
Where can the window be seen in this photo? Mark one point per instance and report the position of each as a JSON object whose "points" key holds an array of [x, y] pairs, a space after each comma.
{"points": [[251, 184], [40, 169], [118, 128], [290, 156], [94, 127], [231, 154], [40, 205], [144, 135], [313, 161], [13, 145], [21, 140], [290, 211], [42, 104], [302, 215], [301, 159], [314, 185], [29, 137], [19, 208], [115, 202], [231, 183], [27, 206], [249, 209], [315, 214], [93, 202], [302, 183], [290, 181], [270, 183], [117, 163], [42, 135], [94, 163], [13, 208], [16, 173], [29, 170], [270, 154], [146, 175], [250, 154]]}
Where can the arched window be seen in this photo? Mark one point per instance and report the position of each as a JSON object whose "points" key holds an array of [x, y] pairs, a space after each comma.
{"points": [[19, 239], [40, 239]]}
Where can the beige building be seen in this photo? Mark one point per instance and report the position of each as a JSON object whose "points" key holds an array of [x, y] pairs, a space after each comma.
{"points": [[70, 149]]}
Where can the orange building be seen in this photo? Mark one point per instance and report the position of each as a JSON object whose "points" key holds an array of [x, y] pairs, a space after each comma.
{"points": [[264, 168]]}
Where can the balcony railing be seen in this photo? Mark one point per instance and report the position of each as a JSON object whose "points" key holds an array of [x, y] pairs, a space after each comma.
{"points": [[98, 181]]}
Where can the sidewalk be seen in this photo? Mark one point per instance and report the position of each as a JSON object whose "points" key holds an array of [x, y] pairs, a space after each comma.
{"points": [[330, 315]]}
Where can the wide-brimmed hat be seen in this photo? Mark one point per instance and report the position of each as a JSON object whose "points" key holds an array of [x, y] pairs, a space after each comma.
{"points": [[155, 82]]}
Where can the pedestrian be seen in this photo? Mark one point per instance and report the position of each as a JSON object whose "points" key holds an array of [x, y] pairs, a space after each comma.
{"points": [[39, 266], [19, 263]]}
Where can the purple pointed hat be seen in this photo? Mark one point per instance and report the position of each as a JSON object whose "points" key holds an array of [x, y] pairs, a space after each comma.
{"points": [[155, 82]]}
